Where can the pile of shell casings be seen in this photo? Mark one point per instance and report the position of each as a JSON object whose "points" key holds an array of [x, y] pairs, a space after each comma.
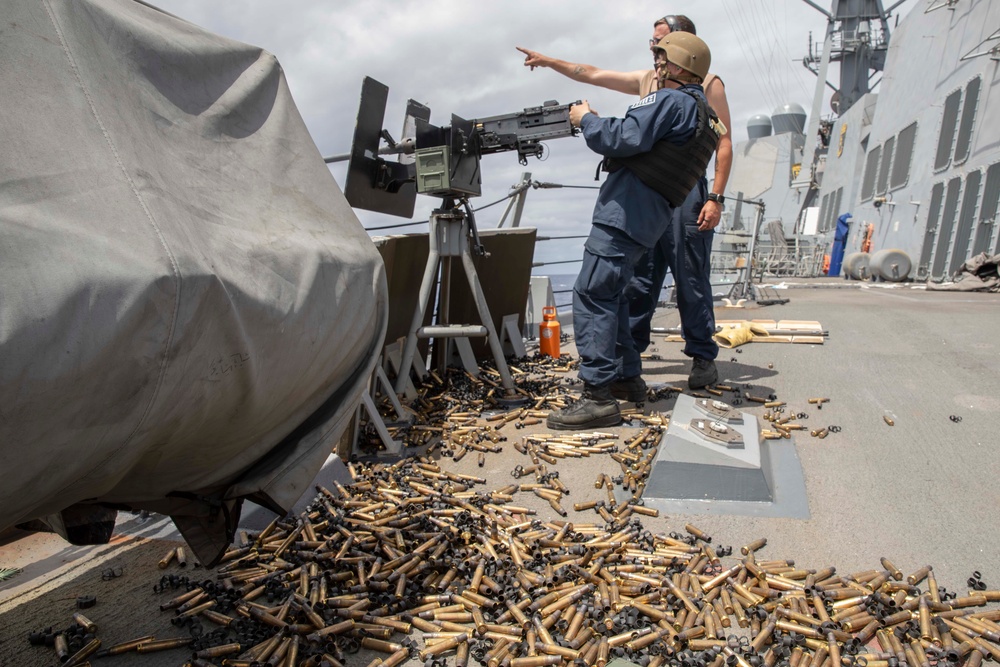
{"points": [[72, 645], [411, 548], [441, 402], [783, 422]]}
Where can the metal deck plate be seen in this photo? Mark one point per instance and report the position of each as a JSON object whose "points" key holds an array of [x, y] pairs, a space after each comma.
{"points": [[696, 475]]}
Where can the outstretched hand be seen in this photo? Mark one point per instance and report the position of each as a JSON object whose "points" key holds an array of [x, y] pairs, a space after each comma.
{"points": [[533, 59]]}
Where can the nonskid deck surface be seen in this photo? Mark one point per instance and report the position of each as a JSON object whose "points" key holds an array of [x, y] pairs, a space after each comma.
{"points": [[920, 492]]}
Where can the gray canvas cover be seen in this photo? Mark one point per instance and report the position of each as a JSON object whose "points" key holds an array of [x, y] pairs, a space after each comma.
{"points": [[978, 274], [189, 308]]}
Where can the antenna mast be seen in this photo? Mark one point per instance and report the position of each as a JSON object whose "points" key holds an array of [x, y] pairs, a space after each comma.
{"points": [[857, 37]]}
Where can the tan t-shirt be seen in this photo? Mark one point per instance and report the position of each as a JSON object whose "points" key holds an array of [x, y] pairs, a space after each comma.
{"points": [[649, 82]]}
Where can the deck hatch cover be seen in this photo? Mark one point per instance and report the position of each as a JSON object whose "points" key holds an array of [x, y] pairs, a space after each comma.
{"points": [[904, 156], [947, 137], [963, 142], [871, 169], [960, 249]]}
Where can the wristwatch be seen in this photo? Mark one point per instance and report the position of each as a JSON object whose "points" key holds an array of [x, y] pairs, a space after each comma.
{"points": [[718, 199]]}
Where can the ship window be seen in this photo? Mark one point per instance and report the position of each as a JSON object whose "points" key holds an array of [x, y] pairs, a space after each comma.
{"points": [[883, 172], [964, 139], [904, 155], [960, 249], [871, 167], [823, 210], [948, 120]]}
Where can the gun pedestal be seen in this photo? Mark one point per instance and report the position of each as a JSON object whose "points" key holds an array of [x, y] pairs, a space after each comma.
{"points": [[450, 233]]}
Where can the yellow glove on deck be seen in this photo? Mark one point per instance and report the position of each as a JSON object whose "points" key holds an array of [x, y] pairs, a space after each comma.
{"points": [[738, 333]]}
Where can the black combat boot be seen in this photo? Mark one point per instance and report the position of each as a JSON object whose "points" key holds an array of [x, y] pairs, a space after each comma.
{"points": [[703, 373], [631, 389], [595, 409]]}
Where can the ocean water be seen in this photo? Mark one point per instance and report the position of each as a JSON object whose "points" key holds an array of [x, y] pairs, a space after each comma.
{"points": [[562, 289]]}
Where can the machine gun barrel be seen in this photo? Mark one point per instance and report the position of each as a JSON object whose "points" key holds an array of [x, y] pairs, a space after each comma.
{"points": [[524, 131], [404, 147]]}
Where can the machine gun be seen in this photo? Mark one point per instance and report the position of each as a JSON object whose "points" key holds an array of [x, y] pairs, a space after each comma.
{"points": [[438, 161], [524, 131], [442, 162]]}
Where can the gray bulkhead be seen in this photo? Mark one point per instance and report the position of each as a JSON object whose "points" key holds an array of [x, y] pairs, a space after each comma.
{"points": [[938, 96], [763, 169], [844, 161], [919, 161]]}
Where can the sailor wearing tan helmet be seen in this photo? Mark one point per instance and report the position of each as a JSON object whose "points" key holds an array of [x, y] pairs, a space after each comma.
{"points": [[655, 156], [686, 246]]}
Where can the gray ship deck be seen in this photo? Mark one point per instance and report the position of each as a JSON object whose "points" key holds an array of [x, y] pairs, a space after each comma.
{"points": [[923, 491]]}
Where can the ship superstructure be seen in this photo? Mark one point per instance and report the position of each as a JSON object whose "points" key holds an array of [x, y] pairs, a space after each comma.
{"points": [[914, 164]]}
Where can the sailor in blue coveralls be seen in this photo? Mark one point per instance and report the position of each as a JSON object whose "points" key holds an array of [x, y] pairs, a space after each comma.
{"points": [[685, 248], [657, 153]]}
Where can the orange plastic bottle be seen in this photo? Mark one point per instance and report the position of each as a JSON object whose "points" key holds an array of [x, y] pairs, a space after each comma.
{"points": [[548, 332]]}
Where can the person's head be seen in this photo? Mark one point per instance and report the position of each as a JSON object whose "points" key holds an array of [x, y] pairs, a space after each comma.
{"points": [[682, 57], [665, 25]]}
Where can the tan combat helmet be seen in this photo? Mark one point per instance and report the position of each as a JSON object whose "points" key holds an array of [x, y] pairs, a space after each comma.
{"points": [[687, 51]]}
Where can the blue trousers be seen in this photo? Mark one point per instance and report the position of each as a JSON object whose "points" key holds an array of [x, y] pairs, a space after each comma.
{"points": [[601, 310], [686, 252]]}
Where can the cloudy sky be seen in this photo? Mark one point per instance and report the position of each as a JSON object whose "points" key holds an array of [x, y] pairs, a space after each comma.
{"points": [[459, 57]]}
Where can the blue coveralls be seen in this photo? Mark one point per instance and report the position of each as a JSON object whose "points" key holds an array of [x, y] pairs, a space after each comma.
{"points": [[629, 218], [686, 252]]}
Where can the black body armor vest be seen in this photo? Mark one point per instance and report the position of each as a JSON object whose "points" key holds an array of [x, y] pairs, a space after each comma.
{"points": [[672, 170]]}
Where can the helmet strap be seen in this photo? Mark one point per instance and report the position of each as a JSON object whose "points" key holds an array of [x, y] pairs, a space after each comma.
{"points": [[669, 77]]}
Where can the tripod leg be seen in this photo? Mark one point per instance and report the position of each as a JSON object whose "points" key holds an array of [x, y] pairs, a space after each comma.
{"points": [[484, 315], [442, 346], [426, 285]]}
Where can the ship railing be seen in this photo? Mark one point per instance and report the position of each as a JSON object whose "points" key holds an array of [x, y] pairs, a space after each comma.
{"points": [[743, 257], [805, 261], [783, 256]]}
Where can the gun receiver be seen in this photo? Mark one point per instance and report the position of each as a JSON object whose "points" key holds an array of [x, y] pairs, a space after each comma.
{"points": [[437, 161], [524, 131]]}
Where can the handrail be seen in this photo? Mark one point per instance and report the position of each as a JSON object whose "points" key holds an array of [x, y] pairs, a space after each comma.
{"points": [[535, 265]]}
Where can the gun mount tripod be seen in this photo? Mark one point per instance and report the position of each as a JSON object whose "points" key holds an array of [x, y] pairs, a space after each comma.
{"points": [[452, 235]]}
